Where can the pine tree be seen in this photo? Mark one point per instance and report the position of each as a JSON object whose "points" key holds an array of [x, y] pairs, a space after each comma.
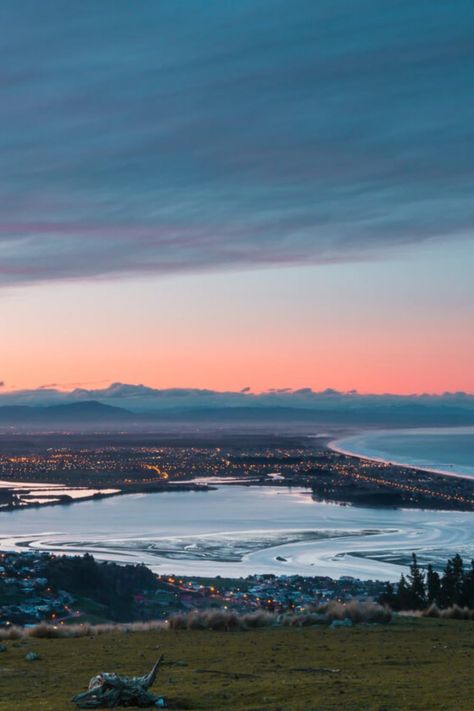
{"points": [[458, 573], [468, 587], [403, 594], [448, 585], [455, 586], [433, 584], [389, 597], [416, 585]]}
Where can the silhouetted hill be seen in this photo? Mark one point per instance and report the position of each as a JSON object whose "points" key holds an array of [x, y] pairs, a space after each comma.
{"points": [[358, 416], [88, 414], [80, 413]]}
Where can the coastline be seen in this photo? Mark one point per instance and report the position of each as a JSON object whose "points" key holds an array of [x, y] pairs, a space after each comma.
{"points": [[328, 471], [335, 446]]}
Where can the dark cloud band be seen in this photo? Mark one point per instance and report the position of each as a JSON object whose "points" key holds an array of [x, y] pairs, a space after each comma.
{"points": [[164, 137]]}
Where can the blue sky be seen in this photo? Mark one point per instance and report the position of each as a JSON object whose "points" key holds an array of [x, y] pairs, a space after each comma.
{"points": [[182, 136], [206, 140]]}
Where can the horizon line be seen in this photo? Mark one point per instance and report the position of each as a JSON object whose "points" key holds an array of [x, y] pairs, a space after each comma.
{"points": [[108, 386]]}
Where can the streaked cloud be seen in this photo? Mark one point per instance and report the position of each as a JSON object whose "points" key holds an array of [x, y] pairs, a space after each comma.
{"points": [[170, 137]]}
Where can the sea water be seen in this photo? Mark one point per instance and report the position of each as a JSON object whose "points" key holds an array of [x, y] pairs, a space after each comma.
{"points": [[446, 450]]}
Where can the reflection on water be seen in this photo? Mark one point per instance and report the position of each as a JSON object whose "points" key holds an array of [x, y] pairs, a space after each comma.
{"points": [[30, 492], [240, 530]]}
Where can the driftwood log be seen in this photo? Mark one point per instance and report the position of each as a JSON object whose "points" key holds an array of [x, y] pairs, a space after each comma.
{"points": [[108, 690]]}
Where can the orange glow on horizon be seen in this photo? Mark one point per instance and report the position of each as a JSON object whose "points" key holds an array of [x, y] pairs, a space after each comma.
{"points": [[293, 328]]}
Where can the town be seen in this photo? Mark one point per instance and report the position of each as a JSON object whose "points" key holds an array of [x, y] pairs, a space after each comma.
{"points": [[127, 463], [40, 587]]}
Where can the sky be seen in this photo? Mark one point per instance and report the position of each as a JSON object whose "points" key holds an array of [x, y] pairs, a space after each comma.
{"points": [[226, 195]]}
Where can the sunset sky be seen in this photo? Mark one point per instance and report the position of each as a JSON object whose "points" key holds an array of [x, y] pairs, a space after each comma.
{"points": [[224, 195]]}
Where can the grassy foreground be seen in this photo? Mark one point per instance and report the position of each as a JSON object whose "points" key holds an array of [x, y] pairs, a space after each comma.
{"points": [[407, 665]]}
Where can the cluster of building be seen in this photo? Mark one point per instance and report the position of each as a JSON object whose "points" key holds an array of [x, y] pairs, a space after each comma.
{"points": [[347, 479], [294, 593], [26, 596], [331, 475], [147, 464]]}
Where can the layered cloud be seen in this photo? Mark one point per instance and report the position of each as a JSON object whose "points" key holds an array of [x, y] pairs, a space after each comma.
{"points": [[348, 407], [168, 137]]}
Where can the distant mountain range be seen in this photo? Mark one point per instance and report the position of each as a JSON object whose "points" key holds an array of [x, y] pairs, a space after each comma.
{"points": [[87, 412], [340, 411]]}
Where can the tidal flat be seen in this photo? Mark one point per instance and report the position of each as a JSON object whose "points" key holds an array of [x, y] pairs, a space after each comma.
{"points": [[235, 531]]}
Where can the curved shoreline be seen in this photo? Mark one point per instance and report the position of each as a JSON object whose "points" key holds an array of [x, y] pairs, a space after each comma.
{"points": [[335, 446], [209, 537]]}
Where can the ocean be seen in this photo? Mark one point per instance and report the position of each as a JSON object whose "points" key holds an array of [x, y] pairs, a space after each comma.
{"points": [[446, 450]]}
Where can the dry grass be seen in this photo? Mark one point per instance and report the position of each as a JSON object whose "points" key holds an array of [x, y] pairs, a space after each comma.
{"points": [[449, 613], [49, 631], [357, 612], [222, 620], [422, 664]]}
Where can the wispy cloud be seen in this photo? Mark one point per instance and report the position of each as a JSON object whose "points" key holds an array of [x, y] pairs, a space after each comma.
{"points": [[169, 137]]}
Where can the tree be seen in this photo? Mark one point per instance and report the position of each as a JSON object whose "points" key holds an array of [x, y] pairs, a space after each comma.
{"points": [[416, 585], [458, 574], [433, 584], [389, 597], [455, 586], [448, 585], [468, 587], [403, 594]]}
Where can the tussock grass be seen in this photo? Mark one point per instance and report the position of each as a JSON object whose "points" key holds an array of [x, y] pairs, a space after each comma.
{"points": [[358, 612], [222, 620], [449, 613], [217, 620], [48, 631]]}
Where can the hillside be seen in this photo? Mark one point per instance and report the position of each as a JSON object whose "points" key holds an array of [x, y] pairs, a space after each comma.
{"points": [[409, 665], [79, 413]]}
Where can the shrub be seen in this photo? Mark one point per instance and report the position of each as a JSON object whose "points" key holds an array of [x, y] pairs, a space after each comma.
{"points": [[356, 611], [227, 620]]}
